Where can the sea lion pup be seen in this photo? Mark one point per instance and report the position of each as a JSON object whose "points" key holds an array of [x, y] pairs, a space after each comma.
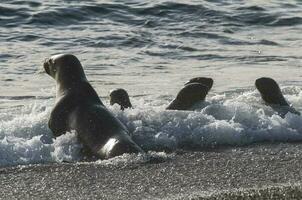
{"points": [[121, 97], [79, 108], [190, 94], [272, 95]]}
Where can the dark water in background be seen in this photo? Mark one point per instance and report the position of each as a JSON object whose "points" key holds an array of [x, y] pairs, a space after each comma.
{"points": [[151, 49]]}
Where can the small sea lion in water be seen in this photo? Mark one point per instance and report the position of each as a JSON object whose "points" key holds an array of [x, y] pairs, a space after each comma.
{"points": [[121, 97], [189, 95], [272, 95], [79, 108], [195, 90]]}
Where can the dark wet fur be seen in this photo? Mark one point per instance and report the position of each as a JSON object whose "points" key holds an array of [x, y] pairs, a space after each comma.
{"points": [[272, 95], [202, 80], [189, 95], [270, 91], [121, 97], [79, 108]]}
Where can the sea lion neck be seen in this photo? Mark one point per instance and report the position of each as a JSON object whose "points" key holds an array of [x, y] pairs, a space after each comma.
{"points": [[74, 84], [70, 78]]}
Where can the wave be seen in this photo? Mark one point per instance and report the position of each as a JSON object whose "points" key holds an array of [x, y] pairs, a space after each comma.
{"points": [[222, 120], [149, 15], [289, 21]]}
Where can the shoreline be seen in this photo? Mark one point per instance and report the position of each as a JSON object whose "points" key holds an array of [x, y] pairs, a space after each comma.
{"points": [[254, 172]]}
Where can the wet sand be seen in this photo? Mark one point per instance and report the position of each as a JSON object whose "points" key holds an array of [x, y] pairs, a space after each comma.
{"points": [[267, 171]]}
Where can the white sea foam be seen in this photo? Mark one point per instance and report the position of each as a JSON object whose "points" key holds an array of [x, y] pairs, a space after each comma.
{"points": [[25, 138], [235, 120]]}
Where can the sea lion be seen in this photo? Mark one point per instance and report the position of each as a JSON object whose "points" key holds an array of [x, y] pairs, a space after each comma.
{"points": [[189, 95], [272, 95], [121, 97], [79, 108]]}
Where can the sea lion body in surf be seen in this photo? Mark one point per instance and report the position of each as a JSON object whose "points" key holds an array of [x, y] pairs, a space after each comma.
{"points": [[188, 96], [194, 91], [272, 96], [79, 108]]}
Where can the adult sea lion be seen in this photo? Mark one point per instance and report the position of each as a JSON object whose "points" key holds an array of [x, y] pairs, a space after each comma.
{"points": [[272, 95], [79, 108]]}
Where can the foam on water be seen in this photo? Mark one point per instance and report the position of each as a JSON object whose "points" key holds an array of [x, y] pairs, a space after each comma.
{"points": [[234, 119], [25, 138]]}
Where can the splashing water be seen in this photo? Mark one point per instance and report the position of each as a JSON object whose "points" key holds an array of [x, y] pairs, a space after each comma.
{"points": [[223, 120]]}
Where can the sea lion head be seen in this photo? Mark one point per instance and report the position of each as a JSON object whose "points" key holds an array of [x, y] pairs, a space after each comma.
{"points": [[202, 80], [64, 68], [188, 96], [121, 97]]}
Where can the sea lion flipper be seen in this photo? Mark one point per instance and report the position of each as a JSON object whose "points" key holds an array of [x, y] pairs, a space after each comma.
{"points": [[60, 111], [118, 145]]}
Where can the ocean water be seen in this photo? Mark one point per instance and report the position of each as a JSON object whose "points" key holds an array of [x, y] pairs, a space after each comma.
{"points": [[151, 49]]}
